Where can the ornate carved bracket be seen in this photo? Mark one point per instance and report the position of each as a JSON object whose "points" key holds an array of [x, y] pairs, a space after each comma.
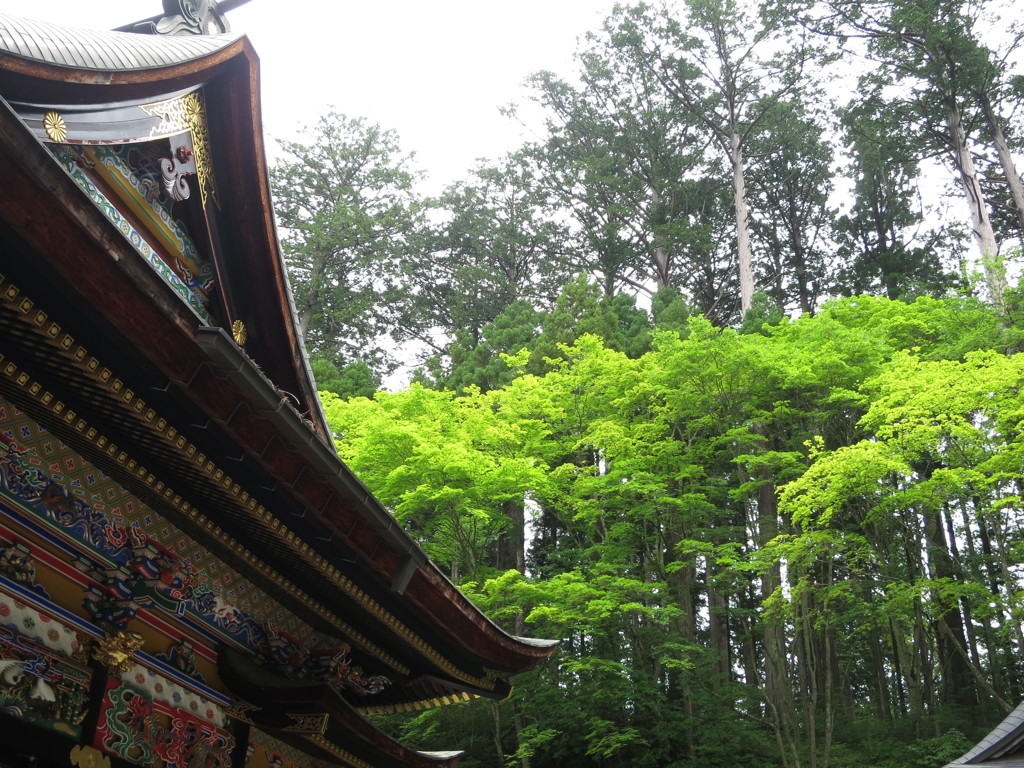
{"points": [[186, 114], [115, 651], [187, 17]]}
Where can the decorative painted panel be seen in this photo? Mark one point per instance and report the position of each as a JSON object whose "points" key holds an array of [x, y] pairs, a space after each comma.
{"points": [[40, 681], [133, 173], [69, 158], [173, 696], [150, 733], [134, 559]]}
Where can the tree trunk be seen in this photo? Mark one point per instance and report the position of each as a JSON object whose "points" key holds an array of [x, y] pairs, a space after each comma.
{"points": [[743, 249], [950, 636], [984, 234], [778, 691], [661, 256], [496, 714], [512, 546], [806, 648], [682, 582], [1013, 180], [718, 629]]}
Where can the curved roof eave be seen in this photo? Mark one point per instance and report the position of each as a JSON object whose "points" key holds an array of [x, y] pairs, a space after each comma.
{"points": [[428, 588], [103, 51], [123, 66]]}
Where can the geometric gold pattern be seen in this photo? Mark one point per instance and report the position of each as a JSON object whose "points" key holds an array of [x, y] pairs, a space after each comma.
{"points": [[338, 752], [310, 724]]}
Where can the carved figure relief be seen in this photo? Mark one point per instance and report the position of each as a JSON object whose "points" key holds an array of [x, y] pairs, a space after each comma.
{"points": [[17, 565], [39, 685], [334, 666], [182, 656]]}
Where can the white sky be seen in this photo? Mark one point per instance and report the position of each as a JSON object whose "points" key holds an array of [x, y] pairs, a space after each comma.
{"points": [[435, 71]]}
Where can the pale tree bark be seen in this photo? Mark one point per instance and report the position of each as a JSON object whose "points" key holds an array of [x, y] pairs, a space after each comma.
{"points": [[661, 256], [1013, 180], [744, 252], [984, 234]]}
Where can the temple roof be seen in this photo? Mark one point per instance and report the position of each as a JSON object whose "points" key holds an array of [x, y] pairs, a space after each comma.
{"points": [[1003, 747], [228, 443], [85, 49]]}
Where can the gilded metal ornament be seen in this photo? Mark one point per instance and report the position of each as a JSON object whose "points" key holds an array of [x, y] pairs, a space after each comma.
{"points": [[311, 724], [115, 651], [55, 127], [242, 712], [239, 332]]}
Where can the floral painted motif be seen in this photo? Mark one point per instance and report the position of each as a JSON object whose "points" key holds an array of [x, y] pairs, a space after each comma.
{"points": [[167, 693], [24, 620]]}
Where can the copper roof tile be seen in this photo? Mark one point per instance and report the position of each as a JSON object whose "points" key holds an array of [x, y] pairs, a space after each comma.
{"points": [[100, 50]]}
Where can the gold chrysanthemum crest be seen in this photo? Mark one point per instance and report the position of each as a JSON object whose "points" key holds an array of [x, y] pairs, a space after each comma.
{"points": [[55, 127], [239, 332]]}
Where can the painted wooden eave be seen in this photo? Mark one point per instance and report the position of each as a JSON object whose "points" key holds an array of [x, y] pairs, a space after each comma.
{"points": [[277, 435]]}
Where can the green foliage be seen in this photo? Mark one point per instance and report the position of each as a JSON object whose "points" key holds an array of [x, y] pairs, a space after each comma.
{"points": [[355, 380], [884, 246], [792, 541], [345, 204], [847, 484], [494, 243]]}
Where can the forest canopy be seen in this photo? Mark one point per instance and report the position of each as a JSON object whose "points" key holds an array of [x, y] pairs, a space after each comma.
{"points": [[716, 381]]}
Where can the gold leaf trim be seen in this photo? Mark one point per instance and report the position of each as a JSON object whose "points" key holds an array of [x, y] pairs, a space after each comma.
{"points": [[314, 725], [338, 752], [188, 113]]}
